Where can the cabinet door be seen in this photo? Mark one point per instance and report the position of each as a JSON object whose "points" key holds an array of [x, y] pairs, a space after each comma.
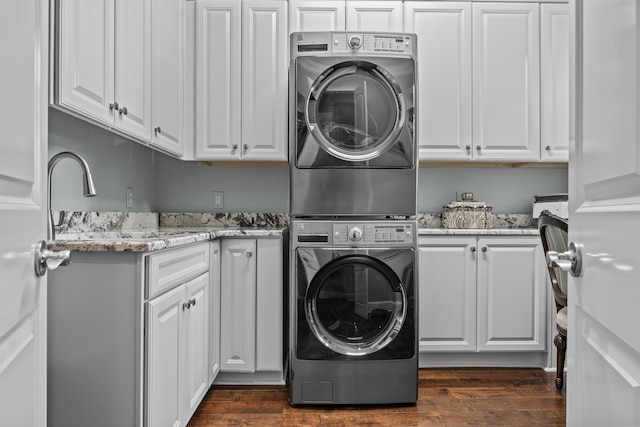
{"points": [[214, 312], [196, 342], [444, 77], [447, 293], [264, 80], [218, 102], [554, 97], [165, 394], [269, 306], [506, 86], [238, 306], [133, 68], [363, 15], [86, 57], [316, 15], [511, 294], [167, 75]]}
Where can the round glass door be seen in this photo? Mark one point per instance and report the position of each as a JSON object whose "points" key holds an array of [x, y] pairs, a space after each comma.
{"points": [[355, 305], [355, 110]]}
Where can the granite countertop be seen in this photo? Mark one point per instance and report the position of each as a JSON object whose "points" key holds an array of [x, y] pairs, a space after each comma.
{"points": [[147, 231]]}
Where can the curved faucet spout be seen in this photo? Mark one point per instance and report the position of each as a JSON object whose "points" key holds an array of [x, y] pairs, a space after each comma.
{"points": [[89, 188]]}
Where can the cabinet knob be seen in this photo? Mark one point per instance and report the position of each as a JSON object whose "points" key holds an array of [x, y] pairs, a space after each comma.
{"points": [[245, 147], [478, 147], [249, 254], [234, 147], [484, 249], [113, 106], [473, 248], [468, 147], [157, 130], [548, 148], [123, 110]]}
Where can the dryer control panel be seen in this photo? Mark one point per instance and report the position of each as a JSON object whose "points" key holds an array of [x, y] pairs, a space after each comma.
{"points": [[348, 43]]}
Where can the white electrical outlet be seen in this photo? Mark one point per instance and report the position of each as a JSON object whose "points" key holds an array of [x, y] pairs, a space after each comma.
{"points": [[129, 198], [218, 199]]}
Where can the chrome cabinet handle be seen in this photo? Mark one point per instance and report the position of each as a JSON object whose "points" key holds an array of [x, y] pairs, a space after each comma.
{"points": [[157, 130], [234, 146], [468, 147], [123, 110], [249, 254], [473, 249], [478, 147], [570, 261], [113, 106], [548, 148], [46, 259], [245, 147], [187, 305], [484, 249]]}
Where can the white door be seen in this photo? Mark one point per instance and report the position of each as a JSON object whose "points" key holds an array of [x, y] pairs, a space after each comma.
{"points": [[603, 377], [23, 157], [310, 15]]}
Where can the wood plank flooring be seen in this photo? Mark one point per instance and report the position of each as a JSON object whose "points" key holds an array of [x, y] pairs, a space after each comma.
{"points": [[446, 397]]}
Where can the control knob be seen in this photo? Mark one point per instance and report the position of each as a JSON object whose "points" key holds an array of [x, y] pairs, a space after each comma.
{"points": [[355, 234], [355, 42]]}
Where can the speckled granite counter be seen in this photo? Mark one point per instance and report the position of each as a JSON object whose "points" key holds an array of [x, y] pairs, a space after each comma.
{"points": [[146, 231], [503, 225], [149, 231]]}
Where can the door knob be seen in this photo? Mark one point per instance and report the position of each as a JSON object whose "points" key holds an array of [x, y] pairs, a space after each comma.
{"points": [[570, 260], [46, 259]]}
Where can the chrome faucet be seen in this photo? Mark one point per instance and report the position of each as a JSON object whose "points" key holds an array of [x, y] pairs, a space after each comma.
{"points": [[87, 181]]}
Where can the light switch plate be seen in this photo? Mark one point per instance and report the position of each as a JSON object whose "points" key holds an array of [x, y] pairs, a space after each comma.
{"points": [[129, 198], [218, 199]]}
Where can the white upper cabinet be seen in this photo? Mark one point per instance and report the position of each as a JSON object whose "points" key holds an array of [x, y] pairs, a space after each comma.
{"points": [[104, 55], [85, 57], [316, 15], [350, 15], [554, 63], [506, 82], [122, 64], [168, 75], [241, 80], [374, 15], [444, 77], [132, 87]]}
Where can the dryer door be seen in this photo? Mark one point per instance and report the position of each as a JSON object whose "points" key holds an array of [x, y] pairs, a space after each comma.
{"points": [[355, 304], [356, 114]]}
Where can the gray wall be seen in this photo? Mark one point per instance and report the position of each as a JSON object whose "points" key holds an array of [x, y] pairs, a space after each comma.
{"points": [[162, 183]]}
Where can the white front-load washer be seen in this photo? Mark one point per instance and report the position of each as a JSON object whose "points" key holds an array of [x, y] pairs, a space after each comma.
{"points": [[353, 315]]}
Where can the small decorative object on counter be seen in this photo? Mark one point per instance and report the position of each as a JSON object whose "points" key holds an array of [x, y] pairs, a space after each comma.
{"points": [[468, 213]]}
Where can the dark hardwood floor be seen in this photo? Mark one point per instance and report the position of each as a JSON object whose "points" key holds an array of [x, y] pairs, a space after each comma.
{"points": [[446, 397]]}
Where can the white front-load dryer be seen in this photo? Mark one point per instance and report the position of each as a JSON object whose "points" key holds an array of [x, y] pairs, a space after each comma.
{"points": [[353, 139]]}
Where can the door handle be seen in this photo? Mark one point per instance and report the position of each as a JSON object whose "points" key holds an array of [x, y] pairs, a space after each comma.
{"points": [[46, 259], [570, 261]]}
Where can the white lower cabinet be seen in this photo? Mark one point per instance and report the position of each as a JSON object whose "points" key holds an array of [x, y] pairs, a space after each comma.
{"points": [[214, 311], [481, 294], [251, 329], [178, 352], [132, 326]]}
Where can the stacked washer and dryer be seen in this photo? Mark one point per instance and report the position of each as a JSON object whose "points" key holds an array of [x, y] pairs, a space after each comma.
{"points": [[353, 230]]}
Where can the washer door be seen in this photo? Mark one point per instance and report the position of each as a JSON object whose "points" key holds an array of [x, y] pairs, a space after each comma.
{"points": [[355, 305], [355, 110]]}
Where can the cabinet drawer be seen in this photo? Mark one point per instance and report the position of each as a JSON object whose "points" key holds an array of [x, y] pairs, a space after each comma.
{"points": [[168, 269]]}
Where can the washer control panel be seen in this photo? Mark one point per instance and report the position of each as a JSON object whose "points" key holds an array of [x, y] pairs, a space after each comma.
{"points": [[369, 234], [346, 42]]}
